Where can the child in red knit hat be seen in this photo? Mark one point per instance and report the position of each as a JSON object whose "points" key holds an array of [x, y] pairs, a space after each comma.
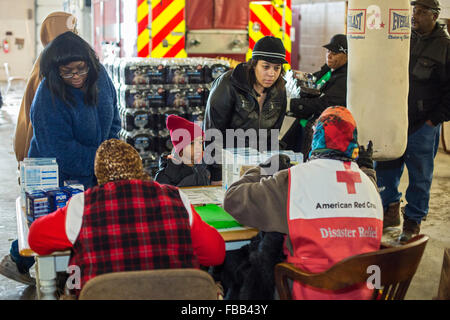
{"points": [[184, 167]]}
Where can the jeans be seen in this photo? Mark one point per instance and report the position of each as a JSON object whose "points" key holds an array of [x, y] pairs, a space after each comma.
{"points": [[23, 263], [419, 159]]}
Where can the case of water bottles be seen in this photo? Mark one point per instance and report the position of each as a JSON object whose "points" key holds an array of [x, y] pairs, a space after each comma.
{"points": [[40, 190], [149, 89], [40, 202]]}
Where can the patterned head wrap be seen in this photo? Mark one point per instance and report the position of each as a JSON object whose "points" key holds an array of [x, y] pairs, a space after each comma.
{"points": [[335, 135], [117, 160]]}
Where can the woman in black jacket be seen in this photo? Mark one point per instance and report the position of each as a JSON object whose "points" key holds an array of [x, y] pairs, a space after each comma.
{"points": [[252, 96]]}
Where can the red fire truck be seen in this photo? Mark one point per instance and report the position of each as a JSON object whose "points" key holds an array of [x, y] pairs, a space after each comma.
{"points": [[180, 28]]}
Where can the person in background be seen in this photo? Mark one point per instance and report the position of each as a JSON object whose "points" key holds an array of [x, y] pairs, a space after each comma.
{"points": [[428, 107], [332, 79], [251, 96], [313, 203], [184, 167], [157, 227], [73, 112], [54, 24]]}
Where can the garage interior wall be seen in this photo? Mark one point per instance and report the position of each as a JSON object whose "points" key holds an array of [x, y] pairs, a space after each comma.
{"points": [[24, 18], [318, 23], [17, 17], [82, 10], [43, 9]]}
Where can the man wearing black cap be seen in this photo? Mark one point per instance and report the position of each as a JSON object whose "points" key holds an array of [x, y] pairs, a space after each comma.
{"points": [[252, 96], [333, 91], [428, 107]]}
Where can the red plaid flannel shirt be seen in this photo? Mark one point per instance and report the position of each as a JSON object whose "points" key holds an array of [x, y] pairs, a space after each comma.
{"points": [[133, 225]]}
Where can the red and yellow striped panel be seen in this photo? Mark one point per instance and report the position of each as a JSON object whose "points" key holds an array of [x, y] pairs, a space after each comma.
{"points": [[286, 36], [143, 40], [168, 29], [266, 19]]}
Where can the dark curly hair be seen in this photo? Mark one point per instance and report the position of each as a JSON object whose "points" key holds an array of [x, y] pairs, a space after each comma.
{"points": [[64, 49]]}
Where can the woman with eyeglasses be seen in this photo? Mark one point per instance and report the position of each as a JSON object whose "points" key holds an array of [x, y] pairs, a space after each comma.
{"points": [[74, 110], [54, 24]]}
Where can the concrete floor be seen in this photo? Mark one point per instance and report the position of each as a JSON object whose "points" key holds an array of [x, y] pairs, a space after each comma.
{"points": [[423, 287], [9, 191]]}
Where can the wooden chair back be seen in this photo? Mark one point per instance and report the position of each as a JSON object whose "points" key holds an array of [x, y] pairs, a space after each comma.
{"points": [[162, 284], [397, 266]]}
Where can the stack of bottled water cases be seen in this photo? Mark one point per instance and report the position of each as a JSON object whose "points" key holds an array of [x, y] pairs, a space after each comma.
{"points": [[235, 161], [40, 191], [149, 89]]}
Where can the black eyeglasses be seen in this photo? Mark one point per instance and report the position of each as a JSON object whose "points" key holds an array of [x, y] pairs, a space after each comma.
{"points": [[70, 75]]}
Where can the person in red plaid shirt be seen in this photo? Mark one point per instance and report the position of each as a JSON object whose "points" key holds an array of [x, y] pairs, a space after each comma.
{"points": [[127, 222]]}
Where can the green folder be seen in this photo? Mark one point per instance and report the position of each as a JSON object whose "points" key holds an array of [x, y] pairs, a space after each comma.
{"points": [[216, 217]]}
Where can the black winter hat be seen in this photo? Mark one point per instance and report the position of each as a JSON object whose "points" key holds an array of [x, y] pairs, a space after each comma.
{"points": [[269, 49], [338, 43]]}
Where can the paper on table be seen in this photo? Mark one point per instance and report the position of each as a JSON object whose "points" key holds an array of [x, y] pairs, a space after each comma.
{"points": [[206, 195]]}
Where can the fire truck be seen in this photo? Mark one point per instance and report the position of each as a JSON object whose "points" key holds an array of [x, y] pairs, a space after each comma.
{"points": [[188, 28]]}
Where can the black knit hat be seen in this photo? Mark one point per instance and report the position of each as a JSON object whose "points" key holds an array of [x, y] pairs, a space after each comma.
{"points": [[269, 49], [338, 43]]}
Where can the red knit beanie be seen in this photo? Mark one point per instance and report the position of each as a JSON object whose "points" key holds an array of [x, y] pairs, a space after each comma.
{"points": [[182, 131]]}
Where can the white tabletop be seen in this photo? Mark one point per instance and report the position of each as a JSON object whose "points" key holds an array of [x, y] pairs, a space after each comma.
{"points": [[22, 233]]}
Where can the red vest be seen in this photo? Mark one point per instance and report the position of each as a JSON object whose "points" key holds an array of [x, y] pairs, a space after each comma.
{"points": [[131, 225], [334, 212]]}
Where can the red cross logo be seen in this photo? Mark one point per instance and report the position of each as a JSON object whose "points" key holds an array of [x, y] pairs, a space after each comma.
{"points": [[349, 177]]}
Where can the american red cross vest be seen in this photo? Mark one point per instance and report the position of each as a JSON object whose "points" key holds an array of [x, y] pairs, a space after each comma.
{"points": [[334, 212]]}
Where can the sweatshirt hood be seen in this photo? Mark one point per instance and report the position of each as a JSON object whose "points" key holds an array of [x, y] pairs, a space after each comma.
{"points": [[57, 23]]}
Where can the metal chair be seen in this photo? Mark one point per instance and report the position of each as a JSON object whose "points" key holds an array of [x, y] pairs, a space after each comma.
{"points": [[162, 284], [10, 78], [397, 266]]}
